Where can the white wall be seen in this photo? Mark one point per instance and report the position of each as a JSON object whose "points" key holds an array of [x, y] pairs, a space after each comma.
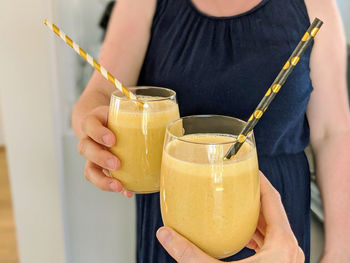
{"points": [[79, 19], [2, 139], [344, 7], [27, 104], [99, 226]]}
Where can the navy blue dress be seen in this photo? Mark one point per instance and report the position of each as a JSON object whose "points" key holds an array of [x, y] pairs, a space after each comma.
{"points": [[227, 64]]}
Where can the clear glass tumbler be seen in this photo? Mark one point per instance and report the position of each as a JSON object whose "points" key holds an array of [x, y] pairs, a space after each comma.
{"points": [[213, 202], [140, 129]]}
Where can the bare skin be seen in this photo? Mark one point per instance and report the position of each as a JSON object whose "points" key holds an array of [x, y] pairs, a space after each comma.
{"points": [[273, 241], [224, 8], [330, 128], [328, 112], [122, 54]]}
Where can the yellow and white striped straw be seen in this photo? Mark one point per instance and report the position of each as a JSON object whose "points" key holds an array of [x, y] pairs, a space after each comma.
{"points": [[90, 60]]}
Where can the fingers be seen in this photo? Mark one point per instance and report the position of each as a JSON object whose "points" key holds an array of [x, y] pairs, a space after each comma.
{"points": [[99, 160], [252, 245], [271, 204], [261, 224], [124, 192], [94, 127], [96, 154], [180, 248], [279, 238], [94, 174], [300, 256], [256, 242], [127, 193]]}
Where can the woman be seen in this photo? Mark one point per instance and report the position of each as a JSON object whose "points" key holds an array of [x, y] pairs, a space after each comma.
{"points": [[225, 54], [273, 240]]}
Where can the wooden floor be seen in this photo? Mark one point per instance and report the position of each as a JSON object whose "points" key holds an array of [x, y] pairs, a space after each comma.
{"points": [[8, 247]]}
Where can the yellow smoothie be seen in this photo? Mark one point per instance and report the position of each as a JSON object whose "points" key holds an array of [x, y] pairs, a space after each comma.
{"points": [[140, 134], [213, 203]]}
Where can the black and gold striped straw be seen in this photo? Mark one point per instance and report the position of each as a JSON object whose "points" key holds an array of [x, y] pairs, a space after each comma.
{"points": [[275, 87], [90, 60]]}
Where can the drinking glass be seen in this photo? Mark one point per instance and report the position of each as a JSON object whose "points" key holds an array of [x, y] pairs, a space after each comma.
{"points": [[139, 126], [213, 202]]}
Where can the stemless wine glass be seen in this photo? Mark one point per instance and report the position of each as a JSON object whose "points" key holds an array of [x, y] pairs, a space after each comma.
{"points": [[213, 203], [140, 129]]}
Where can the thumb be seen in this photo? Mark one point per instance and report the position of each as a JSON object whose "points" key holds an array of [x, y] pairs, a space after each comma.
{"points": [[180, 248]]}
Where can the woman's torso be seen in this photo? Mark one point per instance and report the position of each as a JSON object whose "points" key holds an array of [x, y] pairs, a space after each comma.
{"points": [[225, 66]]}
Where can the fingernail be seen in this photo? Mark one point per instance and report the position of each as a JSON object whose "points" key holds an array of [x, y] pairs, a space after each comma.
{"points": [[106, 140], [164, 236], [112, 164], [124, 192], [115, 187], [106, 172]]}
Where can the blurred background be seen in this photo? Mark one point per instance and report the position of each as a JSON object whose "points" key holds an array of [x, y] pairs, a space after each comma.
{"points": [[48, 212]]}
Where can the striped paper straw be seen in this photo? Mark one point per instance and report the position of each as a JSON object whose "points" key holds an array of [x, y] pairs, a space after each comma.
{"points": [[275, 87], [90, 60]]}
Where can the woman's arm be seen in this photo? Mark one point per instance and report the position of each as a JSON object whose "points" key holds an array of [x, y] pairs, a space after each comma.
{"points": [[122, 54], [329, 119]]}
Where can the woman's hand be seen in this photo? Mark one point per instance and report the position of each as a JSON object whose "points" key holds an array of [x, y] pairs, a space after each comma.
{"points": [[273, 241], [92, 145], [123, 59]]}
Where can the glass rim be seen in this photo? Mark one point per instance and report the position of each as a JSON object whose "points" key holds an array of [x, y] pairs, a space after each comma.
{"points": [[124, 98], [208, 116]]}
